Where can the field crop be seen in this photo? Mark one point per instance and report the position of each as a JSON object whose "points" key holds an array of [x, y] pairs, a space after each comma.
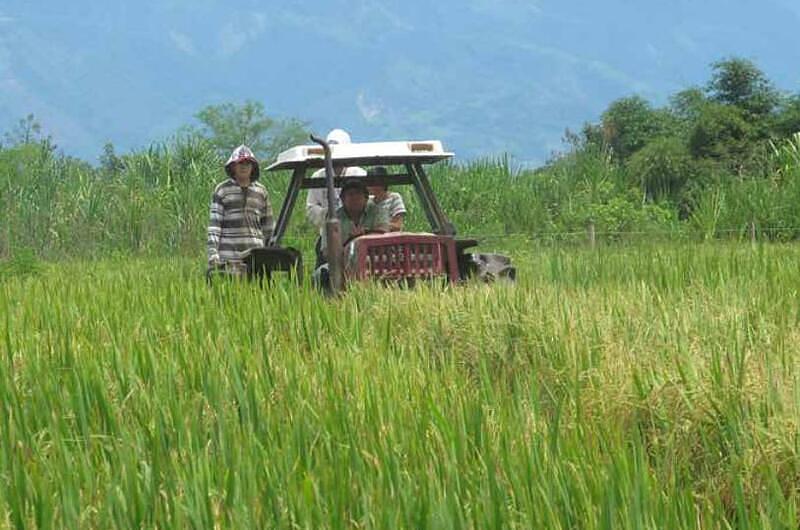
{"points": [[623, 387]]}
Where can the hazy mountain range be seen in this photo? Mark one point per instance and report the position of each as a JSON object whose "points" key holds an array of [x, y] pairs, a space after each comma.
{"points": [[484, 76]]}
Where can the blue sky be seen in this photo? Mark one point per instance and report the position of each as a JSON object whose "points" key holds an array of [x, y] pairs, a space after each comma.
{"points": [[486, 77]]}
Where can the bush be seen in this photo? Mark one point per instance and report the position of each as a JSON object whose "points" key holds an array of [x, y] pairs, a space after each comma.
{"points": [[21, 264], [662, 167]]}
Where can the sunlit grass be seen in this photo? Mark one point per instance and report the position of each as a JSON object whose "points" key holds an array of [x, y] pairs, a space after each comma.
{"points": [[647, 387]]}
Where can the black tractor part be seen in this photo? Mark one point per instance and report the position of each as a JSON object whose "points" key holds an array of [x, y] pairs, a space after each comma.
{"points": [[487, 267], [259, 263], [262, 262], [491, 267]]}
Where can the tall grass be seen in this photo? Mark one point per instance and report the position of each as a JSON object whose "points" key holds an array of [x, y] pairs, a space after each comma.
{"points": [[155, 201], [618, 388]]}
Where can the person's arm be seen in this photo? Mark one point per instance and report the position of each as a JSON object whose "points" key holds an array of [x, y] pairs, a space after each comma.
{"points": [[317, 202], [267, 222], [397, 213], [316, 207], [396, 223], [217, 213]]}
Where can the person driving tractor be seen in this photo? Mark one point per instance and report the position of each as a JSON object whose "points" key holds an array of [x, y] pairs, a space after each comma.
{"points": [[317, 199], [358, 216]]}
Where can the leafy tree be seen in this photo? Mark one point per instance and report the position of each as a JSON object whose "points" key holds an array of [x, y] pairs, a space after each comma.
{"points": [[27, 131], [688, 104], [741, 83], [292, 133], [229, 125], [589, 138], [630, 123], [723, 133], [110, 162], [787, 117]]}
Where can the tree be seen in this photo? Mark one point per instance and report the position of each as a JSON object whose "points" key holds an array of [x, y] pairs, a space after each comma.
{"points": [[229, 125], [110, 162], [740, 83], [787, 117], [27, 131], [292, 132], [688, 104], [723, 133], [629, 123]]}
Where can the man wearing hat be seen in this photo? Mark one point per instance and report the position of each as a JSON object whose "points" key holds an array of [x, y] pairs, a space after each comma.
{"points": [[317, 198], [241, 214], [358, 215]]}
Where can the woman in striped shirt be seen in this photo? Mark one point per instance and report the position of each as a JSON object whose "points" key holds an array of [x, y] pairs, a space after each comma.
{"points": [[241, 214]]}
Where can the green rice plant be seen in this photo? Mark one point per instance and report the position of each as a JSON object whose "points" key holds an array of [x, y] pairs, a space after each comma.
{"points": [[707, 212], [786, 156], [622, 387]]}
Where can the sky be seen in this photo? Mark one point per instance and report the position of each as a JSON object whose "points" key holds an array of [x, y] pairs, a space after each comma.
{"points": [[486, 77]]}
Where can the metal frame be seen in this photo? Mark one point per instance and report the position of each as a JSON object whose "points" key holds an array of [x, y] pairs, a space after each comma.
{"points": [[415, 175], [287, 207]]}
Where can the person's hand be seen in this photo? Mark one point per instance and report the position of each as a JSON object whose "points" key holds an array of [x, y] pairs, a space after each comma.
{"points": [[358, 231]]}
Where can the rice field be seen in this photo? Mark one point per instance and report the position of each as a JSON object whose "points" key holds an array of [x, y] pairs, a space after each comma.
{"points": [[622, 387]]}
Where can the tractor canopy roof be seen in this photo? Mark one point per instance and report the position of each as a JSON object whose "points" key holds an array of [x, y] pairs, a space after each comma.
{"points": [[362, 154]]}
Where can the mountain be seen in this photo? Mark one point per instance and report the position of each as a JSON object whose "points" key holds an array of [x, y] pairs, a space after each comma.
{"points": [[484, 76]]}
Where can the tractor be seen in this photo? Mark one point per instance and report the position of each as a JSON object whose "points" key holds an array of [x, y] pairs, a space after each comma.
{"points": [[394, 256]]}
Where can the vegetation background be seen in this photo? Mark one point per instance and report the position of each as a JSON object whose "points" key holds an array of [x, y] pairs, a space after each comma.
{"points": [[715, 161], [623, 386], [650, 386]]}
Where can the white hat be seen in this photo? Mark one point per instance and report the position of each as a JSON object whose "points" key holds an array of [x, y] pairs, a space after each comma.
{"points": [[242, 154], [338, 136]]}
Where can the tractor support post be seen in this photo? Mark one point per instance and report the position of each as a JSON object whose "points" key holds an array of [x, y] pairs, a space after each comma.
{"points": [[439, 222], [288, 205], [333, 233]]}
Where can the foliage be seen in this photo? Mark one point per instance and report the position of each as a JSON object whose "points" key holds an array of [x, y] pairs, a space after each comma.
{"points": [[637, 387], [630, 123], [740, 83], [28, 130], [787, 119], [110, 163], [722, 133], [156, 200], [663, 167], [23, 263], [706, 164], [229, 125], [688, 104]]}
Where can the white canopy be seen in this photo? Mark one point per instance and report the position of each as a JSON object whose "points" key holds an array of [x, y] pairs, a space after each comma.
{"points": [[363, 154]]}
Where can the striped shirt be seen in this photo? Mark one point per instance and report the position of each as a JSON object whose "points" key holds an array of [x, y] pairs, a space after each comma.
{"points": [[241, 219], [392, 204]]}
